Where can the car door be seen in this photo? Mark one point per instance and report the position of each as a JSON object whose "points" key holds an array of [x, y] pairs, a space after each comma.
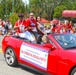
{"points": [[34, 55], [53, 59]]}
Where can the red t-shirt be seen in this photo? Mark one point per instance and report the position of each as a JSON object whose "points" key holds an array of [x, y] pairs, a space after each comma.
{"points": [[54, 29], [20, 23], [31, 23], [59, 27], [1, 23], [69, 26]]}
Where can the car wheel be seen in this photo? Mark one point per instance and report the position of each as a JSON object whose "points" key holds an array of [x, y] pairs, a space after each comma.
{"points": [[10, 57], [73, 72]]}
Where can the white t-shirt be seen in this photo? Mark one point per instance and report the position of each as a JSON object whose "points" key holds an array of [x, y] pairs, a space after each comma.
{"points": [[27, 35], [0, 27], [10, 26], [21, 26]]}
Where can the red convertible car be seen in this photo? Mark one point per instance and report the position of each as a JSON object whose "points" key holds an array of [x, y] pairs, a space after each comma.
{"points": [[59, 60]]}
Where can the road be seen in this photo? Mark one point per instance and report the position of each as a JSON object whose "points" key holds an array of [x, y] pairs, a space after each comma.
{"points": [[7, 70]]}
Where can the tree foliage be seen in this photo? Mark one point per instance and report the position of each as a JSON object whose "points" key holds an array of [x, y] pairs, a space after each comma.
{"points": [[64, 5], [51, 8], [48, 9], [43, 8], [13, 18], [58, 11], [7, 7]]}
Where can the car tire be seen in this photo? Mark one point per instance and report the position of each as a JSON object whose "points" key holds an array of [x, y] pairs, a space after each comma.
{"points": [[73, 72], [10, 57]]}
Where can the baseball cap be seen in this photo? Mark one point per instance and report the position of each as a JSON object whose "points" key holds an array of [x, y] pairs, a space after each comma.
{"points": [[20, 15]]}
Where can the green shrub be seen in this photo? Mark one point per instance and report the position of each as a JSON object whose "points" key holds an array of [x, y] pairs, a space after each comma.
{"points": [[47, 24], [13, 18]]}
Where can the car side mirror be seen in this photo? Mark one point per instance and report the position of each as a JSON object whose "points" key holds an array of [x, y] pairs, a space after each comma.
{"points": [[49, 45], [53, 48]]}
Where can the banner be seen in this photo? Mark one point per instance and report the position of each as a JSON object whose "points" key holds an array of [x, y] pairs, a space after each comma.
{"points": [[34, 55]]}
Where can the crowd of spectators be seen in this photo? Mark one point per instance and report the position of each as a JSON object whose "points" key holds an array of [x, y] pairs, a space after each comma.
{"points": [[5, 27], [62, 27]]}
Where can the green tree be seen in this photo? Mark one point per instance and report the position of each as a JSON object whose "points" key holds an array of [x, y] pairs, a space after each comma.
{"points": [[13, 18], [11, 6], [19, 6], [58, 11], [45, 8]]}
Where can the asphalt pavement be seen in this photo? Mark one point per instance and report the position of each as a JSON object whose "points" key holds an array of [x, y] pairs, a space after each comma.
{"points": [[7, 70]]}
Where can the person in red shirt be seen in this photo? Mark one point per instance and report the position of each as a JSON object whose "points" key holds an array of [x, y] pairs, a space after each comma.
{"points": [[20, 25], [60, 27], [1, 22], [68, 27], [21, 29], [31, 24], [54, 28]]}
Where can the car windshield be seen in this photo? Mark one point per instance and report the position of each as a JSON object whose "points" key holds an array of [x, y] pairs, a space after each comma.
{"points": [[67, 41]]}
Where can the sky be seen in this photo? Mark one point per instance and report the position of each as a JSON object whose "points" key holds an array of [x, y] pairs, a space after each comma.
{"points": [[26, 1]]}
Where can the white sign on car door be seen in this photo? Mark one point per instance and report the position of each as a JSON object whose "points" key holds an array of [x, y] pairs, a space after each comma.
{"points": [[34, 55]]}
